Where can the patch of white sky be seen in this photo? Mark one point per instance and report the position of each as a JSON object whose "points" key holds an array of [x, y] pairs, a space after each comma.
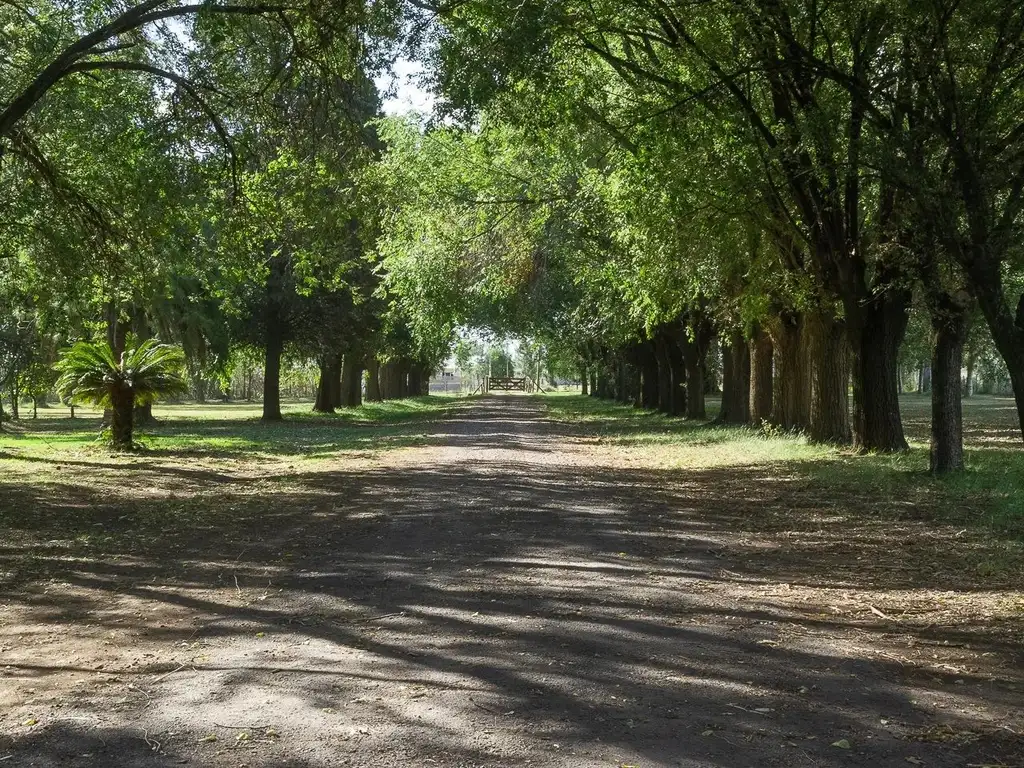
{"points": [[402, 92]]}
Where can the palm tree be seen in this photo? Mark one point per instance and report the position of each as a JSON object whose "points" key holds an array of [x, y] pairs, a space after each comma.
{"points": [[90, 373]]}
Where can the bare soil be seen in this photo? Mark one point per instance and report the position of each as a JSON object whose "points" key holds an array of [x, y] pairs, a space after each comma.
{"points": [[514, 593]]}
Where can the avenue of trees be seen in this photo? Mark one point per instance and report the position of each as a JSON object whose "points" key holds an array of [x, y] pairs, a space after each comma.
{"points": [[804, 196], [789, 184]]}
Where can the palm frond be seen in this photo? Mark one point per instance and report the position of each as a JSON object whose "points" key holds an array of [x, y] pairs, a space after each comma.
{"points": [[89, 372]]}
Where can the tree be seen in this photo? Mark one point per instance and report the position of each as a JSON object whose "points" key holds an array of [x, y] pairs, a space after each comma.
{"points": [[90, 373]]}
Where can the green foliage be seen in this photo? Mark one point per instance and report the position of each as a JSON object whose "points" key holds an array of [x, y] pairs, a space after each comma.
{"points": [[91, 373]]}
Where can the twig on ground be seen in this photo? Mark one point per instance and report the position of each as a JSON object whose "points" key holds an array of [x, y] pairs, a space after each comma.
{"points": [[478, 705], [881, 615], [153, 743], [751, 711], [244, 727], [376, 618], [168, 674]]}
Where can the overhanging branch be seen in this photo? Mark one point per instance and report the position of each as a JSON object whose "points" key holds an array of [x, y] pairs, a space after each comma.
{"points": [[178, 80]]}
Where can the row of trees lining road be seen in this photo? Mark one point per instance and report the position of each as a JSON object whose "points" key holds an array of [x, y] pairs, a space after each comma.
{"points": [[633, 186], [789, 179]]}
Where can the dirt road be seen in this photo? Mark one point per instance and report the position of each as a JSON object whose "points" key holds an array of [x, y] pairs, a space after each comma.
{"points": [[513, 594]]}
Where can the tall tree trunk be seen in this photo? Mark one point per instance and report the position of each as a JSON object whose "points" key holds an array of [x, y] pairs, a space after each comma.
{"points": [[693, 339], [761, 387], [649, 384], [828, 353], [351, 384], [671, 396], [735, 380], [404, 366], [272, 372], [387, 377], [693, 363], [791, 395], [274, 338], [949, 325], [634, 383], [678, 394], [415, 380], [373, 390], [394, 380], [584, 380], [875, 342], [327, 396], [1007, 334]]}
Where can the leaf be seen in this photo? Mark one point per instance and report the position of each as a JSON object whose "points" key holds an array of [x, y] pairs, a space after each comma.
{"points": [[30, 722], [915, 760], [708, 732], [210, 737], [842, 744]]}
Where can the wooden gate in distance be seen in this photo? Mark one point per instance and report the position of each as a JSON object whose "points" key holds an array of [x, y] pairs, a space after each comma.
{"points": [[507, 384]]}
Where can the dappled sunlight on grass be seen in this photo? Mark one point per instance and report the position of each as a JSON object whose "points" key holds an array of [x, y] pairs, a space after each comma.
{"points": [[227, 430], [988, 493]]}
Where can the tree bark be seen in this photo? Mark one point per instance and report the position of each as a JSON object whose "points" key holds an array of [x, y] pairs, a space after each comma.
{"points": [[949, 326], [373, 391], [875, 343], [121, 415], [693, 340], [649, 384], [351, 383], [791, 385], [404, 366], [143, 416], [693, 364], [272, 373], [388, 378], [1007, 333], [735, 380], [415, 380], [671, 375], [327, 391], [761, 389], [584, 381], [828, 354], [394, 380]]}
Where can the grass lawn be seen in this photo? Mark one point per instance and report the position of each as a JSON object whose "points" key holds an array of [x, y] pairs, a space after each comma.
{"points": [[229, 430], [989, 494]]}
